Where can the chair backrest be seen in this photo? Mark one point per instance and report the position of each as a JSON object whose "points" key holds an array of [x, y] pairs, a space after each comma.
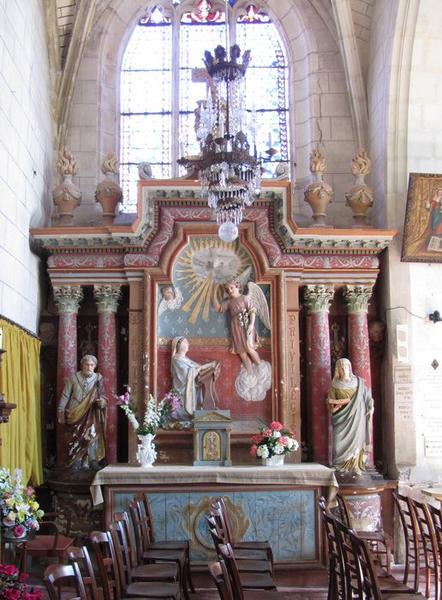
{"points": [[367, 578], [83, 560], [148, 512], [138, 528], [217, 541], [337, 583], [125, 524], [342, 513], [428, 543], [57, 574], [224, 518], [141, 522], [108, 562], [410, 530], [353, 582], [221, 579], [122, 553], [228, 557]]}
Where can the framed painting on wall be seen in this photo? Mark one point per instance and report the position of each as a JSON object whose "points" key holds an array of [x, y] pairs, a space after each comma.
{"points": [[423, 219]]}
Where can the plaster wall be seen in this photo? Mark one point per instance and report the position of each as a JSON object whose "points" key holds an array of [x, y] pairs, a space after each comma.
{"points": [[424, 156], [25, 154]]}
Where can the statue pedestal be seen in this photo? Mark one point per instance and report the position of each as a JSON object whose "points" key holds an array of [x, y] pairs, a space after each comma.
{"points": [[211, 438]]}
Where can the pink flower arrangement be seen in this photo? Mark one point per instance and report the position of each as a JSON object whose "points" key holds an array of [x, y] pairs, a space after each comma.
{"points": [[13, 585], [272, 440]]}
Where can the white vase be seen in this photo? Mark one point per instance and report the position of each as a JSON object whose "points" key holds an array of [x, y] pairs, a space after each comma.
{"points": [[274, 461], [146, 454]]}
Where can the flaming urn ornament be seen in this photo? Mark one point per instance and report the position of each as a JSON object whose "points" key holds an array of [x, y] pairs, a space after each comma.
{"points": [[319, 193]]}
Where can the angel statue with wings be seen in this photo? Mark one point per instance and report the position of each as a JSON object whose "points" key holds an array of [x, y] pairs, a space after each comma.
{"points": [[255, 377]]}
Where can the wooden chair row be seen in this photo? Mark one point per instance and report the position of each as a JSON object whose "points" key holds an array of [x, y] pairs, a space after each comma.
{"points": [[352, 572], [130, 563], [422, 527]]}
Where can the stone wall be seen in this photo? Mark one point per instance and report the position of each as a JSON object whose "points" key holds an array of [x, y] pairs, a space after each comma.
{"points": [[425, 156], [25, 153], [318, 98]]}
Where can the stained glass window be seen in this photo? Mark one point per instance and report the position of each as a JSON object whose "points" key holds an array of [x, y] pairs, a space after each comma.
{"points": [[163, 78]]}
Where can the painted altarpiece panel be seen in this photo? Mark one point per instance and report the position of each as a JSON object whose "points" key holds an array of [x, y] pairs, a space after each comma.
{"points": [[185, 308]]}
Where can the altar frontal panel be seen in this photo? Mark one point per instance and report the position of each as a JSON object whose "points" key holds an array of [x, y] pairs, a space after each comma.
{"points": [[286, 518]]}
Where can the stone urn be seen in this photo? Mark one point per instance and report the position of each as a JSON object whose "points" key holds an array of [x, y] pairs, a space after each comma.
{"points": [[108, 192], [66, 196], [360, 196], [319, 193]]}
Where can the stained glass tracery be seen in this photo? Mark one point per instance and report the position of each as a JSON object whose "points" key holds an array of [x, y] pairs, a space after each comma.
{"points": [[163, 78]]}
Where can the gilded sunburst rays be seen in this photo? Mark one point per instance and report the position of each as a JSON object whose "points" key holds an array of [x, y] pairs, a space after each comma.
{"points": [[204, 264]]}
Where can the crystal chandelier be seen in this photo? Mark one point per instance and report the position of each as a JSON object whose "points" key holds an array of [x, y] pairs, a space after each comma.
{"points": [[229, 173]]}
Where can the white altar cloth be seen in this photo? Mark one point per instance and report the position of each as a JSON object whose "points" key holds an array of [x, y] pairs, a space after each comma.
{"points": [[303, 474]]}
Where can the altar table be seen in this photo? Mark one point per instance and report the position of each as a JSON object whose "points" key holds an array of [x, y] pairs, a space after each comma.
{"points": [[278, 504]]}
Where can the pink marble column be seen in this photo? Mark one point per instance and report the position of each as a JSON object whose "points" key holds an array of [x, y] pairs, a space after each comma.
{"points": [[107, 297], [67, 298], [318, 299], [357, 298]]}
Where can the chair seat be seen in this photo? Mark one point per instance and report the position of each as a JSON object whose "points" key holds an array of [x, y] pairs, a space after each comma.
{"points": [[267, 595], [156, 572], [256, 581], [251, 554], [253, 566], [252, 545], [153, 590], [178, 556], [170, 545], [388, 584], [375, 536], [403, 597], [44, 544]]}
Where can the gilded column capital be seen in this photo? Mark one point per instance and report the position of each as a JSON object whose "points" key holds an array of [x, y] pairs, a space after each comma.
{"points": [[107, 297], [318, 297], [67, 298], [357, 298]]}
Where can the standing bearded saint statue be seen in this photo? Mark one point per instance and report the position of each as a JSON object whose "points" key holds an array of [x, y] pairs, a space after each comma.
{"points": [[82, 409]]}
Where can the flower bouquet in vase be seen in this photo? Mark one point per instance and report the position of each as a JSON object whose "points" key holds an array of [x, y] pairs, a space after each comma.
{"points": [[20, 513], [155, 416], [272, 443]]}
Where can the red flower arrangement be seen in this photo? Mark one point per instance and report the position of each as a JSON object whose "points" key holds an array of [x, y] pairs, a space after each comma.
{"points": [[13, 585], [273, 440]]}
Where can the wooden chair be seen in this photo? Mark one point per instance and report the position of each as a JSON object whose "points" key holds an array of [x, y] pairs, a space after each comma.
{"points": [[336, 568], [367, 584], [379, 541], [410, 530], [215, 522], [80, 556], [145, 514], [360, 575], [243, 581], [139, 540], [132, 571], [220, 575], [56, 575], [245, 565], [429, 546], [436, 517], [114, 586], [226, 526], [48, 542]]}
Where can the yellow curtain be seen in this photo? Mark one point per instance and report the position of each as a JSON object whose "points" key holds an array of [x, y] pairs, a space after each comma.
{"points": [[20, 385]]}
